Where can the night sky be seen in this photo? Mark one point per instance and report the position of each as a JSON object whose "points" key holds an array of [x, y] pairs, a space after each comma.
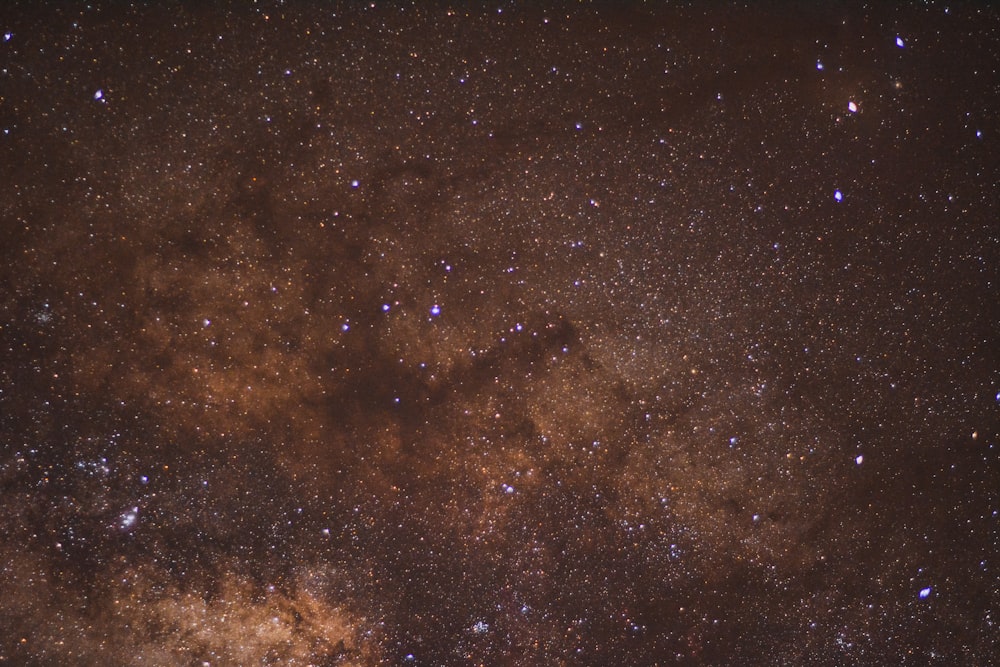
{"points": [[446, 334]]}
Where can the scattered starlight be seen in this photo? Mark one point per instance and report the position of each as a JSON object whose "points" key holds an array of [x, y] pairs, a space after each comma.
{"points": [[394, 333]]}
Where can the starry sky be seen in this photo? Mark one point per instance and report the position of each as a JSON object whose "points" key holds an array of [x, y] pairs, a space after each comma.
{"points": [[499, 334]]}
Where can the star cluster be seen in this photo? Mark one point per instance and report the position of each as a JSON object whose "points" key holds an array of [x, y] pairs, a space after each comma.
{"points": [[430, 334]]}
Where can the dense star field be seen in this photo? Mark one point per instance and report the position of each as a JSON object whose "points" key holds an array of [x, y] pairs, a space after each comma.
{"points": [[449, 334]]}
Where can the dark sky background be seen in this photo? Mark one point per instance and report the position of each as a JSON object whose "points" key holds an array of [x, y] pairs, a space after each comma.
{"points": [[451, 334]]}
